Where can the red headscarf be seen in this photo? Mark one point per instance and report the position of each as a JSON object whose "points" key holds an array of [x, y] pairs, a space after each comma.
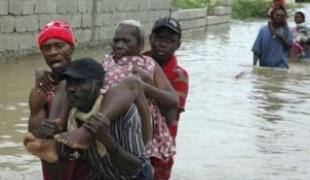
{"points": [[56, 29], [281, 3], [273, 10]]}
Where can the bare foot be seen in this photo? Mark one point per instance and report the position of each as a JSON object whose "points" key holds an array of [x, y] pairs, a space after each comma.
{"points": [[77, 139], [45, 149]]}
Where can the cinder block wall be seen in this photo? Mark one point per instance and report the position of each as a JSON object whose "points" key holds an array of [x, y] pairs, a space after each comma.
{"points": [[92, 20], [193, 20], [222, 13]]}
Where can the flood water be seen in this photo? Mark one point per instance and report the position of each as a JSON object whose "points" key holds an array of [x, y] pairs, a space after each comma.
{"points": [[255, 127]]}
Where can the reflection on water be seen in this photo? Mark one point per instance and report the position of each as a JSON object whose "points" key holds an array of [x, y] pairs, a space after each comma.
{"points": [[254, 127], [267, 89]]}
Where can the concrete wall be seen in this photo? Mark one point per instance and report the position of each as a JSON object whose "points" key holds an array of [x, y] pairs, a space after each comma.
{"points": [[221, 15], [93, 20], [193, 20]]}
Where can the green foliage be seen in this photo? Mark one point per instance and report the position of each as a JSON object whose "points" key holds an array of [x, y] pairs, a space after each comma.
{"points": [[242, 9], [303, 1], [190, 4], [294, 6], [211, 6]]}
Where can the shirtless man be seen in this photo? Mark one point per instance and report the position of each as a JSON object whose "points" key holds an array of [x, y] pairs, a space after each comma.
{"points": [[56, 42]]}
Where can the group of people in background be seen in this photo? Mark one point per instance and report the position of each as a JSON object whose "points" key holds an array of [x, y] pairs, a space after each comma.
{"points": [[113, 119], [277, 43]]}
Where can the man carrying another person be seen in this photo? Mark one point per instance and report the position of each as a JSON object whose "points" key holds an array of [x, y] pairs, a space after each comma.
{"points": [[119, 150]]}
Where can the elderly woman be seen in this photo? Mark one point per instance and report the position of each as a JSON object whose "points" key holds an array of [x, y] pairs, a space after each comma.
{"points": [[125, 58]]}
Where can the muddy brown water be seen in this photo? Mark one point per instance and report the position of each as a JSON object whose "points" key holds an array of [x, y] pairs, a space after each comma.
{"points": [[254, 127]]}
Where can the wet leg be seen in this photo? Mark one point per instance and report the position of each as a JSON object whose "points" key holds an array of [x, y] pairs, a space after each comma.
{"points": [[77, 139]]}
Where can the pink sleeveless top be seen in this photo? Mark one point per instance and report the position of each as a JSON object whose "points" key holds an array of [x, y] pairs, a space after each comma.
{"points": [[162, 145]]}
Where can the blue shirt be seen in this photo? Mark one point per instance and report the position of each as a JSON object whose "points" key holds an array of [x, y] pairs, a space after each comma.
{"points": [[269, 48]]}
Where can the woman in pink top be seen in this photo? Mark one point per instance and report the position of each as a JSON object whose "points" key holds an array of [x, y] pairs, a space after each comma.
{"points": [[126, 59]]}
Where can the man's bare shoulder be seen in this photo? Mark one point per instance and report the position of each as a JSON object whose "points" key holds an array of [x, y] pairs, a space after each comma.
{"points": [[37, 98]]}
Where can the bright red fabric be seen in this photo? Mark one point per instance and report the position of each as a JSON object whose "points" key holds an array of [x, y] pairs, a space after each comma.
{"points": [[162, 170], [77, 169], [56, 29], [178, 77]]}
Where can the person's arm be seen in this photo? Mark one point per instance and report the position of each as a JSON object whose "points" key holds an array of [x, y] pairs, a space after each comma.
{"points": [[255, 59], [160, 89], [44, 125], [170, 115], [38, 124], [59, 110], [164, 94], [181, 86], [257, 46], [284, 40], [37, 104], [125, 162]]}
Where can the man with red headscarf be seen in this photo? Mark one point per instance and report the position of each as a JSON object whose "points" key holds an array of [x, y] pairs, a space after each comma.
{"points": [[56, 42], [273, 41], [276, 4]]}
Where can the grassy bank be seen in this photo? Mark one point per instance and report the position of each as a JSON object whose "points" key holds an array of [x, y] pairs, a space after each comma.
{"points": [[241, 9], [190, 4], [244, 9]]}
